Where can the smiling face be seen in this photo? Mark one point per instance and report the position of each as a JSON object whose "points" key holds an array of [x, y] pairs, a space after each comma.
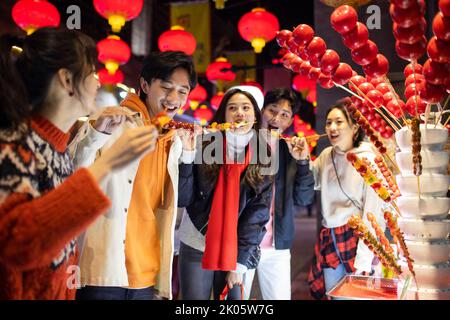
{"points": [[239, 109], [167, 95], [277, 116], [340, 132]]}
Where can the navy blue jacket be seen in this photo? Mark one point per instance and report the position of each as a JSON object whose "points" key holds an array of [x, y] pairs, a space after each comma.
{"points": [[196, 194], [294, 184]]}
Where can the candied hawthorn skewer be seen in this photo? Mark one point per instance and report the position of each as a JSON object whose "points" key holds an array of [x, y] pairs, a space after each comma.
{"points": [[380, 234], [382, 166], [391, 221], [387, 259]]}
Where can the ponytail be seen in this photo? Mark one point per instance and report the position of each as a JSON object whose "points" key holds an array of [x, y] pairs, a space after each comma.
{"points": [[14, 106]]}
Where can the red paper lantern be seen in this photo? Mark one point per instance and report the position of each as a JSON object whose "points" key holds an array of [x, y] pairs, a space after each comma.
{"points": [[30, 15], [177, 39], [113, 52], [215, 70], [216, 100], [196, 96], [118, 11], [258, 27], [110, 79], [203, 114]]}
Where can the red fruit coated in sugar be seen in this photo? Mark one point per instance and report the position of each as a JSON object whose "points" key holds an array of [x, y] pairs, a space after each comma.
{"points": [[414, 78], [357, 80], [383, 87], [441, 27], [365, 54], [376, 81], [366, 87], [316, 48], [444, 6], [303, 34], [439, 50], [411, 105], [357, 37], [314, 62], [325, 81], [431, 93], [378, 67], [404, 4], [409, 69], [411, 51], [394, 106], [343, 19], [282, 37], [287, 58], [407, 17], [304, 68], [387, 97], [314, 74], [296, 62], [411, 34], [411, 90], [342, 74], [302, 54], [329, 61], [351, 156], [382, 149], [292, 46], [375, 97], [435, 73], [387, 133]]}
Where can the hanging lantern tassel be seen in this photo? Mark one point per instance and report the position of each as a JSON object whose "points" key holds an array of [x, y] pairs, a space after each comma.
{"points": [[220, 4]]}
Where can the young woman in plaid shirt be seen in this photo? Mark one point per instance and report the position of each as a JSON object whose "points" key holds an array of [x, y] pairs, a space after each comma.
{"points": [[344, 193]]}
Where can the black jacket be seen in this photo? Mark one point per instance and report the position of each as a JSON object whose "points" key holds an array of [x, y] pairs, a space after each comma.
{"points": [[294, 184], [196, 194]]}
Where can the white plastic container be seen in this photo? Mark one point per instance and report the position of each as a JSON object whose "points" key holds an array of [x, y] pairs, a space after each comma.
{"points": [[424, 230], [435, 185], [432, 161], [429, 252], [423, 207], [431, 138]]}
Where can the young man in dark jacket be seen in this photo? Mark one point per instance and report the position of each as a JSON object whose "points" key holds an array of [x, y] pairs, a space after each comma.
{"points": [[293, 184]]}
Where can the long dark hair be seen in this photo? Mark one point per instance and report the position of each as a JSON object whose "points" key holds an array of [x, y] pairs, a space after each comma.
{"points": [[25, 76], [253, 176], [359, 136]]}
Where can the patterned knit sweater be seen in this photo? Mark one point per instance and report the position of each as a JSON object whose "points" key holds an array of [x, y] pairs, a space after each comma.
{"points": [[43, 207]]}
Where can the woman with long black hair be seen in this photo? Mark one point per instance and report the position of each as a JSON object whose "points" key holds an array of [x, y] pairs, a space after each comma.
{"points": [[227, 203]]}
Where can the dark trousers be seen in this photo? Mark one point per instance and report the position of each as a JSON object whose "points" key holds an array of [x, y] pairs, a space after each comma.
{"points": [[196, 283], [114, 293]]}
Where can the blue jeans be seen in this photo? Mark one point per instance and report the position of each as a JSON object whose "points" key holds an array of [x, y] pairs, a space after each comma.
{"points": [[114, 293], [332, 276], [197, 283]]}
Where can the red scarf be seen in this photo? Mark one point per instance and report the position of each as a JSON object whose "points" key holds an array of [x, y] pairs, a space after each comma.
{"points": [[221, 237]]}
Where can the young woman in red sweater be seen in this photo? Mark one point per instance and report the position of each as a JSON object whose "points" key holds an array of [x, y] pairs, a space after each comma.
{"points": [[45, 87]]}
